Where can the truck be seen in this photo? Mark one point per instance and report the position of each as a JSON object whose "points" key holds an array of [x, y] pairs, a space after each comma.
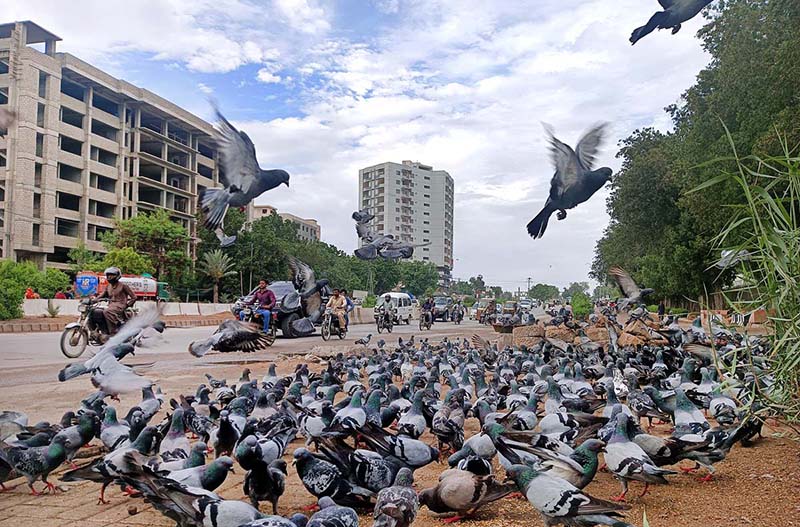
{"points": [[88, 283]]}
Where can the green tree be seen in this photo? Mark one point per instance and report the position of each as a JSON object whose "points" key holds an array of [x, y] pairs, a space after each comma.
{"points": [[581, 305], [82, 259], [157, 237], [12, 290], [128, 260], [604, 291], [216, 265], [543, 292], [419, 277], [659, 231], [576, 287]]}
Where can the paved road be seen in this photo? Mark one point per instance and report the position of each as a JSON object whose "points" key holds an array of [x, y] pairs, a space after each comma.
{"points": [[29, 363]]}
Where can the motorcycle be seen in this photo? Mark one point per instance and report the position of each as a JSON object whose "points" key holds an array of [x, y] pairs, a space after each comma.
{"points": [[458, 315], [90, 329], [249, 315], [425, 320], [385, 320], [330, 326]]}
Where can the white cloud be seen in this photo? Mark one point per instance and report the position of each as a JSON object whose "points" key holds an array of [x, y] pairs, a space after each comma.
{"points": [[265, 76], [208, 90]]}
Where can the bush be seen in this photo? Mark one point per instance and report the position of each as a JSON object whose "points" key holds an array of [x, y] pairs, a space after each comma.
{"points": [[369, 302], [581, 305], [469, 301], [678, 311], [16, 277], [652, 308]]}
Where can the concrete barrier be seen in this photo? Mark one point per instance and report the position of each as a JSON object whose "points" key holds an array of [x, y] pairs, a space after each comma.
{"points": [[170, 308], [188, 309], [213, 309]]}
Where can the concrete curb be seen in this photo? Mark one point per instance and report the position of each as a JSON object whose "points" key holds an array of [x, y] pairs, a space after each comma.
{"points": [[45, 326]]}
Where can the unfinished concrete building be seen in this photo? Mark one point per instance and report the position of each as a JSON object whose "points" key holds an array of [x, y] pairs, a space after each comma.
{"points": [[87, 148]]}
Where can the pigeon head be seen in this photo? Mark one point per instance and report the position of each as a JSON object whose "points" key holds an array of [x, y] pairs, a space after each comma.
{"points": [[281, 176], [404, 477], [605, 172], [325, 502], [301, 454], [279, 464], [521, 475], [593, 445]]}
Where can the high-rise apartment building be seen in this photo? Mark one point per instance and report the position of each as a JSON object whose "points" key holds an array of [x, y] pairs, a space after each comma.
{"points": [[87, 148], [307, 228], [414, 203]]}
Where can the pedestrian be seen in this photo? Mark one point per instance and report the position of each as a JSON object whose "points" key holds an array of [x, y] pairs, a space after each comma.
{"points": [[69, 293], [60, 294], [29, 294], [350, 306], [661, 310]]}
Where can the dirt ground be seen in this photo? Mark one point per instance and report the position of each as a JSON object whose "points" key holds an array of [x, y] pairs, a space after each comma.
{"points": [[758, 486]]}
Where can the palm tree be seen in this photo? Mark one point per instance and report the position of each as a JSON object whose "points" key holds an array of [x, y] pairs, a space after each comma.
{"points": [[216, 265]]}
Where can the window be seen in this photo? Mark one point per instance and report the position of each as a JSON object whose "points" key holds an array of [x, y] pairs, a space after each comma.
{"points": [[426, 204], [37, 205], [68, 201], [43, 78], [40, 115], [67, 227], [426, 232], [37, 175], [426, 223], [35, 234], [69, 173], [426, 195], [426, 213], [39, 144], [427, 186], [70, 145]]}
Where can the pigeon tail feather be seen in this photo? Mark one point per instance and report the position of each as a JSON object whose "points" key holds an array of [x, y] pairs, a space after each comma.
{"points": [[538, 225], [214, 203]]}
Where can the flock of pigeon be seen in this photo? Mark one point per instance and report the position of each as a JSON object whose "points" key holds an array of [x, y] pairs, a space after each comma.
{"points": [[547, 415]]}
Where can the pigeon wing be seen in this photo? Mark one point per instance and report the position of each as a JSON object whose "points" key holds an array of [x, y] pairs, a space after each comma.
{"points": [[565, 162], [625, 282], [237, 155], [589, 144], [666, 4], [302, 274]]}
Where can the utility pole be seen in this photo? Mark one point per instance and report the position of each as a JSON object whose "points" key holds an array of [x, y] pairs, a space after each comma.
{"points": [[529, 286]]}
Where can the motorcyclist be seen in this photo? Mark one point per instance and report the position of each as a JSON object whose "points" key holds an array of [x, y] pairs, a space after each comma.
{"points": [[338, 305], [427, 309], [385, 306], [120, 297], [263, 302], [458, 310]]}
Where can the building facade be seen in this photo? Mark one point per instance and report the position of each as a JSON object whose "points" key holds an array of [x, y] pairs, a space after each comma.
{"points": [[307, 228], [414, 203], [87, 148]]}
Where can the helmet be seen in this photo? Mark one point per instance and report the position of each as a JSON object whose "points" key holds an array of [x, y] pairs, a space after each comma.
{"points": [[387, 297], [112, 274]]}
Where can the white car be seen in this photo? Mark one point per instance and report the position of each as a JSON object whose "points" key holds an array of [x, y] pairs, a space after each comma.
{"points": [[525, 305]]}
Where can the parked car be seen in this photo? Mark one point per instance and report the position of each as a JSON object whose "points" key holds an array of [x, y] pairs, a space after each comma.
{"points": [[402, 304], [285, 315], [442, 306]]}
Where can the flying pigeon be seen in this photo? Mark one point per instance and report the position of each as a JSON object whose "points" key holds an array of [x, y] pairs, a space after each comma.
{"points": [[244, 180], [575, 181], [231, 335], [633, 295], [674, 14]]}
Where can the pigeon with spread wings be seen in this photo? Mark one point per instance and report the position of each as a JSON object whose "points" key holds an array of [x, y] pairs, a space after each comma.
{"points": [[244, 180], [633, 294], [575, 180]]}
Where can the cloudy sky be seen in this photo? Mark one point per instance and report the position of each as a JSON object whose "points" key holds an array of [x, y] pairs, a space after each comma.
{"points": [[327, 87]]}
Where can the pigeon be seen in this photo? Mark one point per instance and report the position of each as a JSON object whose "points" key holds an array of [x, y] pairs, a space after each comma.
{"points": [[109, 468], [322, 478], [266, 483], [578, 468], [412, 423], [79, 435], [112, 432], [332, 515], [633, 294], [207, 477], [244, 180], [364, 341], [175, 440], [674, 14], [196, 458], [559, 502], [463, 492], [297, 520], [413, 453], [627, 461], [231, 335], [36, 462], [397, 505], [574, 181]]}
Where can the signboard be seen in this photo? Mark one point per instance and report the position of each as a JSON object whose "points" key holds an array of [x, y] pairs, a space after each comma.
{"points": [[86, 284]]}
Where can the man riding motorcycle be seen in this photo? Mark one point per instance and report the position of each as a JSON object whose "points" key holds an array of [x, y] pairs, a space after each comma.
{"points": [[427, 309], [338, 305], [263, 303], [120, 297], [385, 308], [458, 311]]}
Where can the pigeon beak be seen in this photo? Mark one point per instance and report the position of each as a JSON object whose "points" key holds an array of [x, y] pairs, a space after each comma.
{"points": [[294, 462], [231, 470], [286, 183]]}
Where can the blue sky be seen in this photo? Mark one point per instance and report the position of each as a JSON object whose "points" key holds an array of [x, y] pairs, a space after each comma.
{"points": [[327, 87]]}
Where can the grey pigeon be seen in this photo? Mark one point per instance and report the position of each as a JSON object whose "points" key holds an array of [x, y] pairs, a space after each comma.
{"points": [[113, 432], [397, 505], [363, 341], [322, 478], [231, 335], [463, 492], [36, 462], [674, 14], [559, 502], [244, 180], [332, 515], [575, 180], [207, 477], [297, 520], [633, 294]]}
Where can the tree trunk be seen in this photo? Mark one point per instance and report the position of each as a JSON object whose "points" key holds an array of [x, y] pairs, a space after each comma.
{"points": [[216, 291]]}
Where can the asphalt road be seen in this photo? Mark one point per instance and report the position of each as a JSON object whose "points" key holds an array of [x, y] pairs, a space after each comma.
{"points": [[29, 363]]}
